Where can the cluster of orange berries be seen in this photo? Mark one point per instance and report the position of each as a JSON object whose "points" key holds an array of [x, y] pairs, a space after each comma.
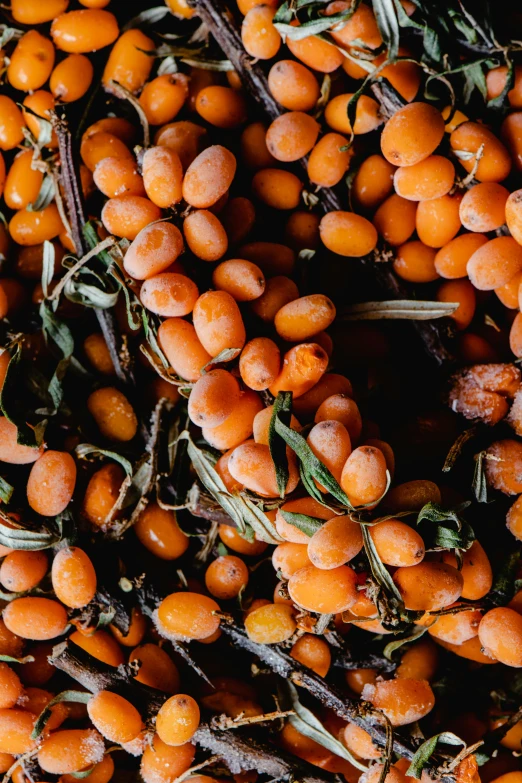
{"points": [[233, 336]]}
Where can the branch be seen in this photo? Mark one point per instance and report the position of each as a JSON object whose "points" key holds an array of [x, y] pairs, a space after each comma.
{"points": [[225, 28]]}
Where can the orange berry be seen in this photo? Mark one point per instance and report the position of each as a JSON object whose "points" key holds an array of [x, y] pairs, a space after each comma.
{"points": [[293, 86], [432, 177], [500, 634], [495, 263], [402, 701], [258, 34], [347, 234], [429, 586], [222, 107], [130, 61], [153, 250], [205, 235], [73, 577], [270, 624], [218, 322], [88, 30], [415, 262], [335, 543], [209, 177], [291, 136], [177, 719], [169, 294], [483, 207], [114, 717], [322, 591], [395, 219], [412, 134], [364, 476], [452, 259], [397, 543], [277, 189], [367, 117], [187, 616], [70, 750], [494, 164], [35, 618], [31, 62], [162, 176], [163, 97], [113, 414]]}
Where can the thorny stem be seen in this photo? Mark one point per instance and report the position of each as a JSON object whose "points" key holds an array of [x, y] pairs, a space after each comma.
{"points": [[222, 23], [240, 751]]}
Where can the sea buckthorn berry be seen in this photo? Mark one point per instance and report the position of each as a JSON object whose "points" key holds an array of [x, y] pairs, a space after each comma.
{"points": [[88, 30], [306, 505], [73, 577], [251, 464], [22, 183], [254, 152], [494, 164], [31, 62], [102, 493], [335, 543], [513, 211], [397, 543], [367, 116], [303, 366], [460, 291], [341, 408], [157, 669], [515, 335], [238, 218], [419, 662], [412, 496], [158, 530], [500, 634], [243, 280], [395, 219], [136, 632], [187, 616], [209, 176], [35, 618], [291, 136], [360, 742], [163, 763], [483, 207], [317, 54], [361, 26], [117, 126], [114, 717], [289, 557], [402, 701], [452, 259], [495, 263], [470, 650], [70, 750], [162, 176], [101, 645], [318, 590], [347, 234], [233, 540], [32, 12], [262, 424], [330, 442], [39, 103], [330, 383], [259, 363], [101, 145], [437, 220], [51, 483], [113, 414], [456, 628], [213, 398], [429, 586], [16, 726], [130, 61], [277, 189], [33, 227], [475, 570], [169, 294], [364, 476], [153, 250], [496, 82], [432, 177], [98, 353], [509, 292], [22, 570], [71, 78], [10, 643], [177, 719], [222, 107], [185, 138], [504, 466], [226, 577], [329, 161], [270, 624], [302, 231], [218, 322], [278, 291], [313, 652], [127, 215], [258, 34], [412, 134], [293, 86], [183, 349], [163, 97], [10, 687], [205, 235], [356, 679], [415, 262], [373, 182], [271, 257], [511, 134], [102, 771], [6, 761], [304, 317], [237, 427]]}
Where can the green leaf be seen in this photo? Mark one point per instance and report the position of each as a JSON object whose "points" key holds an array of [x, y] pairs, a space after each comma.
{"points": [[282, 407], [504, 584], [303, 522], [148, 17], [312, 466], [307, 724], [9, 396], [457, 447], [48, 260], [78, 697], [501, 101], [240, 509], [388, 24], [84, 450], [313, 26], [438, 534], [378, 569], [44, 197], [391, 647], [479, 484], [22, 538], [427, 749], [58, 333], [399, 309], [6, 490], [226, 355], [10, 659]]}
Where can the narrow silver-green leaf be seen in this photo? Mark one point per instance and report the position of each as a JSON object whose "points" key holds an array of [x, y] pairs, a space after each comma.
{"points": [[399, 309], [283, 408], [6, 490], [379, 570], [427, 749], [391, 647], [306, 524], [226, 355], [84, 450], [79, 697]]}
